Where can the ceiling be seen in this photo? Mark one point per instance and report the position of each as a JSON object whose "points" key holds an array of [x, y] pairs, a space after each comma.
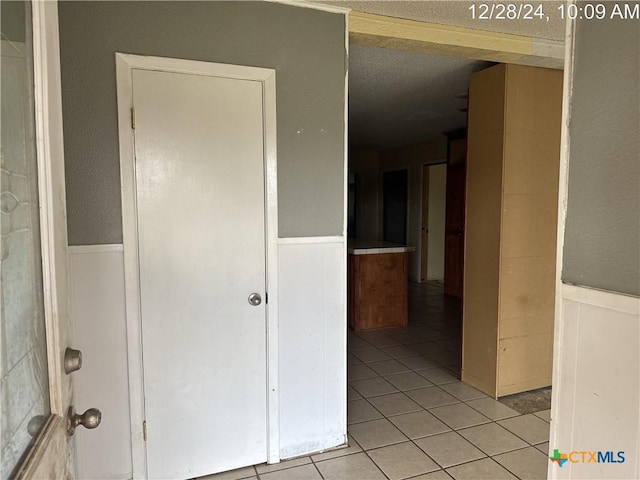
{"points": [[401, 98]]}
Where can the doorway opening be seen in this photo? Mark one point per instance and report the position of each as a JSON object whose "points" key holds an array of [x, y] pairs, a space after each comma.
{"points": [[409, 389]]}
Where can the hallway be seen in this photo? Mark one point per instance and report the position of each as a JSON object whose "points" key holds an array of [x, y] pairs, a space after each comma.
{"points": [[409, 416]]}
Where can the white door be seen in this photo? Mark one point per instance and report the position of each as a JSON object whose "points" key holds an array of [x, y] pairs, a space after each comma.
{"points": [[201, 232]]}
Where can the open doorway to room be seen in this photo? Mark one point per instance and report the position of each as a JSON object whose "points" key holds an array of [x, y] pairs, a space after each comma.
{"points": [[409, 390], [407, 123]]}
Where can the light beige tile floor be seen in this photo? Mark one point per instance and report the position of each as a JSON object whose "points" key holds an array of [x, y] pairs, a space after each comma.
{"points": [[410, 417], [402, 460], [485, 469], [351, 467], [419, 424]]}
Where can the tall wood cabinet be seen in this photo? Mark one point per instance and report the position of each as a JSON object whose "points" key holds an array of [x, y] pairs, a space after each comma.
{"points": [[511, 218]]}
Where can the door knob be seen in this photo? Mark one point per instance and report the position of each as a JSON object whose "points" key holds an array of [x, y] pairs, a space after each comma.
{"points": [[89, 419], [255, 299]]}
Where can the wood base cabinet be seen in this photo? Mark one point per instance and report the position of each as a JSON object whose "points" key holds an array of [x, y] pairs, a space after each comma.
{"points": [[378, 290]]}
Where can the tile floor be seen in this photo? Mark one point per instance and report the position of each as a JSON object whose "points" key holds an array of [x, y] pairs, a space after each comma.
{"points": [[410, 417]]}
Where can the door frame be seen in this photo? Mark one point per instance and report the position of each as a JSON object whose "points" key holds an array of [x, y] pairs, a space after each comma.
{"points": [[125, 63]]}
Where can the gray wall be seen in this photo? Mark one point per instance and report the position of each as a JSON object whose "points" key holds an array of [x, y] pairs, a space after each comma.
{"points": [[602, 239], [12, 17], [305, 46]]}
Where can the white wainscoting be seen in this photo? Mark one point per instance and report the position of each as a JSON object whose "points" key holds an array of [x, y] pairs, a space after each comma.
{"points": [[312, 290], [596, 392], [313, 322], [99, 322]]}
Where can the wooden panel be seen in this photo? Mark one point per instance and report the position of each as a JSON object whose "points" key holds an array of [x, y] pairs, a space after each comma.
{"points": [[512, 185], [529, 228], [482, 260], [378, 291], [480, 324], [523, 364], [486, 100], [529, 224], [533, 99], [527, 295], [453, 265], [424, 230], [482, 243], [455, 215], [415, 36], [531, 162]]}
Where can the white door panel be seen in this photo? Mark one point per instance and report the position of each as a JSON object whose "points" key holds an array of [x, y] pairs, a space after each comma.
{"points": [[201, 230]]}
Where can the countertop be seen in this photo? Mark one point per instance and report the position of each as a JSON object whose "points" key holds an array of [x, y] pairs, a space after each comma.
{"points": [[369, 247]]}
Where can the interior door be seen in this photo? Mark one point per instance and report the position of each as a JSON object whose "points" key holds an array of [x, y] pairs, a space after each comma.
{"points": [[424, 231], [455, 215], [201, 230]]}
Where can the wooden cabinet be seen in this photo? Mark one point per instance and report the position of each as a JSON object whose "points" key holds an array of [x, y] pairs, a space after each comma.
{"points": [[455, 213], [513, 156], [378, 290]]}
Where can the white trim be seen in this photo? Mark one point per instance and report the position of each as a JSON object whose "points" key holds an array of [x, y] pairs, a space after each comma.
{"points": [[80, 249], [271, 206], [563, 184], [191, 67], [307, 240], [53, 230], [130, 256], [345, 219], [314, 6], [345, 210], [600, 298], [124, 65]]}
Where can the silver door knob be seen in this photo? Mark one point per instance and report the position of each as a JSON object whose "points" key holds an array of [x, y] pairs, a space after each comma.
{"points": [[72, 360], [89, 419], [255, 299]]}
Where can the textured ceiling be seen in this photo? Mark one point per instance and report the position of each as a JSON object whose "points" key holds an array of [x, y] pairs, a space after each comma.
{"points": [[400, 98], [457, 13]]}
